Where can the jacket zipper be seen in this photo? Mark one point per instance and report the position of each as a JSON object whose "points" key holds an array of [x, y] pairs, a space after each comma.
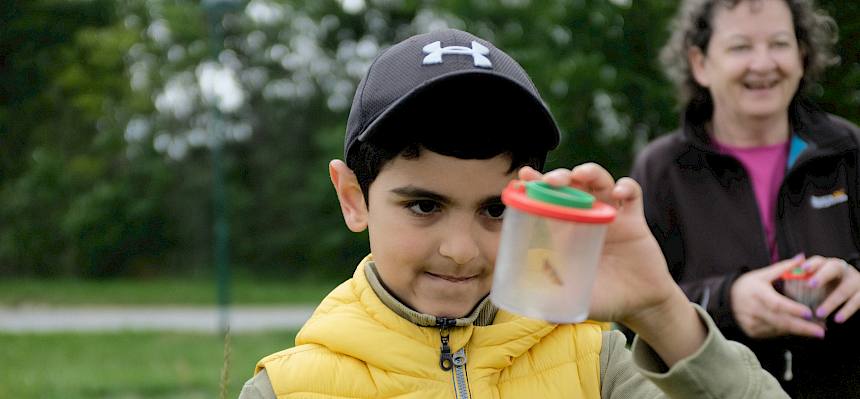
{"points": [[456, 362]]}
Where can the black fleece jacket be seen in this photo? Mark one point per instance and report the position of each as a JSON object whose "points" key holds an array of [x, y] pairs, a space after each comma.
{"points": [[701, 207]]}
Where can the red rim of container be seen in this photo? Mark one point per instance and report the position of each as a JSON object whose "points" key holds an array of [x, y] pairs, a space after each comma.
{"points": [[796, 274], [514, 195]]}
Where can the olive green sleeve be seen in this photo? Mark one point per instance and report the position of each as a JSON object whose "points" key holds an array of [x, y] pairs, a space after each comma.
{"points": [[258, 387], [719, 369]]}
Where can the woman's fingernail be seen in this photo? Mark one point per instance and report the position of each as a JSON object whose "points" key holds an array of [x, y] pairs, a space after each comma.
{"points": [[807, 315], [813, 282], [839, 318], [820, 313], [820, 334], [798, 256], [806, 265]]}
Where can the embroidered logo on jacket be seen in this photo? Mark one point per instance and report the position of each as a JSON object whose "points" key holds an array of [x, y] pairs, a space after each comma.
{"points": [[826, 201]]}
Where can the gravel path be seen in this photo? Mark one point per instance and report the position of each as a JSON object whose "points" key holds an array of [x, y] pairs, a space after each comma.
{"points": [[114, 318]]}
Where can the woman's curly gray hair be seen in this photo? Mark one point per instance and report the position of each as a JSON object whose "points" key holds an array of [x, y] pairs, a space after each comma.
{"points": [[816, 34]]}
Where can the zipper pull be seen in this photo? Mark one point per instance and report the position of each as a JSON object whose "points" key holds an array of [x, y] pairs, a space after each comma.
{"points": [[789, 374], [446, 359]]}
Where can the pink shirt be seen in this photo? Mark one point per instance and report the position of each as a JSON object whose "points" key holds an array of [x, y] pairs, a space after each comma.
{"points": [[766, 167]]}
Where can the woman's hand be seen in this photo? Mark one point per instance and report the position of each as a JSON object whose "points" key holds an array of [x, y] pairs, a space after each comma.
{"points": [[844, 283], [762, 312], [633, 285]]}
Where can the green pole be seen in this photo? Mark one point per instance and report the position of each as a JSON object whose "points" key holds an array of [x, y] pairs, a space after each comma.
{"points": [[221, 231], [215, 11]]}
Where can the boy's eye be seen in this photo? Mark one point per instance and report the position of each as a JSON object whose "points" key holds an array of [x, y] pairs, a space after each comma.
{"points": [[495, 211], [423, 207]]}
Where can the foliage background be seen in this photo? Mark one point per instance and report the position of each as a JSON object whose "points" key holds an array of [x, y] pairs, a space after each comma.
{"points": [[105, 118]]}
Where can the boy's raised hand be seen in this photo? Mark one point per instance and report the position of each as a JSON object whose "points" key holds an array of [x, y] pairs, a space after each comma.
{"points": [[633, 284]]}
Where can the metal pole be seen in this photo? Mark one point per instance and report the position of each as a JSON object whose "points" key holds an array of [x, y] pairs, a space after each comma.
{"points": [[215, 11], [221, 232]]}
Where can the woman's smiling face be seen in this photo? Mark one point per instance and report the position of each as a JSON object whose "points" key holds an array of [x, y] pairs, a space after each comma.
{"points": [[752, 65]]}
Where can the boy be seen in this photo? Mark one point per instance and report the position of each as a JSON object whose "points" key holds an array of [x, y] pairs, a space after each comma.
{"points": [[438, 126]]}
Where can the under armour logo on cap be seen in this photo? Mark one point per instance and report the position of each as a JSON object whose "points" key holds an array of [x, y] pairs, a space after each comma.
{"points": [[479, 53]]}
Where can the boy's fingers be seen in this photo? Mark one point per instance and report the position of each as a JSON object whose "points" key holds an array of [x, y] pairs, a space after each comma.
{"points": [[629, 194], [557, 177], [594, 179], [527, 173]]}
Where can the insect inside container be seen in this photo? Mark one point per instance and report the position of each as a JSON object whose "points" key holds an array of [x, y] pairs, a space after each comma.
{"points": [[795, 285]]}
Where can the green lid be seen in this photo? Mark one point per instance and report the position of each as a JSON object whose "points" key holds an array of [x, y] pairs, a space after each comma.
{"points": [[563, 196], [797, 273]]}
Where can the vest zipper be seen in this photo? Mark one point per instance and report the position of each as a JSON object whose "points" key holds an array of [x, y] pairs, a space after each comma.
{"points": [[789, 373], [456, 362], [461, 383], [446, 360]]}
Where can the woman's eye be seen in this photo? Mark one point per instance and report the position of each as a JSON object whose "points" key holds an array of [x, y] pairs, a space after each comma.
{"points": [[423, 207], [495, 211]]}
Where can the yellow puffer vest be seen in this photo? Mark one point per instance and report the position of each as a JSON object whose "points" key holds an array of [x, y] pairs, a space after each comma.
{"points": [[356, 347]]}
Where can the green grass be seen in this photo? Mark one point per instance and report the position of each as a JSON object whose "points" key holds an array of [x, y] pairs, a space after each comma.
{"points": [[68, 292], [128, 365]]}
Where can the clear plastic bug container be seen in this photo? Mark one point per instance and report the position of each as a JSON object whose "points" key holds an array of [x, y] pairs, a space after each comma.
{"points": [[795, 285], [551, 242]]}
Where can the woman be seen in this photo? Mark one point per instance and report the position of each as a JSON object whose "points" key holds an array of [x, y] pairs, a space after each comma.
{"points": [[757, 182]]}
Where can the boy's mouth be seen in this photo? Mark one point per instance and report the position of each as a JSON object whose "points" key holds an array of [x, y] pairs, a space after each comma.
{"points": [[453, 279]]}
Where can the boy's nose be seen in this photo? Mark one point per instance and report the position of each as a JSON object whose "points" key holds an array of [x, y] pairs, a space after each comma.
{"points": [[459, 245]]}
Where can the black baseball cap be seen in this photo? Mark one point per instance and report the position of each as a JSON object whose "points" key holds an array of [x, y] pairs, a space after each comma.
{"points": [[447, 77]]}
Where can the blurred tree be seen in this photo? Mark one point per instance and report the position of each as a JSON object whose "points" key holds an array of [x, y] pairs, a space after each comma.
{"points": [[73, 202], [839, 90], [32, 34]]}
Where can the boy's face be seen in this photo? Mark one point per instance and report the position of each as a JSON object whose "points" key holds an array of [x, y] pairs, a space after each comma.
{"points": [[434, 224]]}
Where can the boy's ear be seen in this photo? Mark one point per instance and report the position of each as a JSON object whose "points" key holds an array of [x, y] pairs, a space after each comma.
{"points": [[349, 194]]}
